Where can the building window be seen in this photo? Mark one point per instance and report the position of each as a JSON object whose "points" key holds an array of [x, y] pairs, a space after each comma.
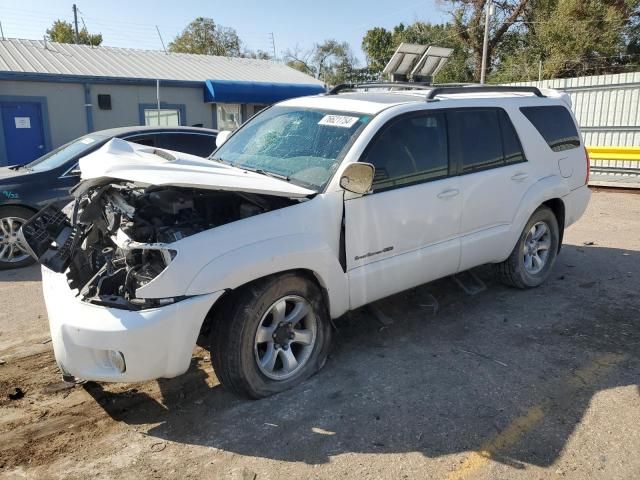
{"points": [[228, 116], [165, 117]]}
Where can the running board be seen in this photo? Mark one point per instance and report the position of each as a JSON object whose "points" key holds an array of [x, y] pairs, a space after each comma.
{"points": [[469, 282]]}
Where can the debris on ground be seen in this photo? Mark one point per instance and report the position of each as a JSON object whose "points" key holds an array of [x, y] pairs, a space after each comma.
{"points": [[2, 362], [17, 394], [588, 244]]}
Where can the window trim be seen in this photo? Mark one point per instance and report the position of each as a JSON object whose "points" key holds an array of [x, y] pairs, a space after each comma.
{"points": [[393, 121]]}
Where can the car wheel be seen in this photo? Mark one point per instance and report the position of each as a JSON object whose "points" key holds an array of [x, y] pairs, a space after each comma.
{"points": [[271, 336], [12, 253], [532, 258]]}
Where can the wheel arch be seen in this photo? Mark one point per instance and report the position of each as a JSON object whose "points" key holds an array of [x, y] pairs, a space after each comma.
{"points": [[227, 299], [556, 205]]}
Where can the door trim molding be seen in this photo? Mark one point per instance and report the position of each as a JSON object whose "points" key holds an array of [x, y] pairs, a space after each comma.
{"points": [[44, 111]]}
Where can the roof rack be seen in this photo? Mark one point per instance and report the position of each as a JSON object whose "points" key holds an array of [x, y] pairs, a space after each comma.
{"points": [[353, 86], [482, 89]]}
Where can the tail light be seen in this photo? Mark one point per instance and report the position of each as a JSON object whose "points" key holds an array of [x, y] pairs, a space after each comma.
{"points": [[588, 160]]}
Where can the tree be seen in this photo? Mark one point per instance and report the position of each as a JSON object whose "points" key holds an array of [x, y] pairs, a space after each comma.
{"points": [[379, 45], [205, 37], [258, 54], [63, 32], [572, 38], [469, 20], [330, 61]]}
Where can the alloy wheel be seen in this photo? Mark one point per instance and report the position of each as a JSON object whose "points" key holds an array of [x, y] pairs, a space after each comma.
{"points": [[285, 337], [11, 250]]}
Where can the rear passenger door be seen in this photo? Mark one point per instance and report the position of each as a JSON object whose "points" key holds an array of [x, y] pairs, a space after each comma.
{"points": [[405, 233], [494, 177]]}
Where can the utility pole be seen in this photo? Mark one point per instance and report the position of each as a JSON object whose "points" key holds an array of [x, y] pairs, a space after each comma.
{"points": [[273, 45], [161, 40], [540, 72], [75, 22], [485, 43]]}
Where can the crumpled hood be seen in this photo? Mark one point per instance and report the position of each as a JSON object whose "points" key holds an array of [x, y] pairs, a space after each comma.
{"points": [[122, 160]]}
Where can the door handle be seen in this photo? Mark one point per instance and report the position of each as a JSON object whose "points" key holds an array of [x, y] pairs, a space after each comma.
{"points": [[518, 177], [451, 192]]}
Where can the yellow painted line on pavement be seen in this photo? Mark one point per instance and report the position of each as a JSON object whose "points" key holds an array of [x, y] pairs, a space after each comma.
{"points": [[525, 423]]}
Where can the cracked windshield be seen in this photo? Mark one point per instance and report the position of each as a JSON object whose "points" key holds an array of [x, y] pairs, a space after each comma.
{"points": [[303, 146]]}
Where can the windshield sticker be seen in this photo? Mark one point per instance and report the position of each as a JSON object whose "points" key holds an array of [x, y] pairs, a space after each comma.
{"points": [[87, 141], [342, 121]]}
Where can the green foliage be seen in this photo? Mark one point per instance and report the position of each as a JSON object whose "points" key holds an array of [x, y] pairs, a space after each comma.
{"points": [[573, 38], [63, 32], [379, 45], [205, 37], [330, 61]]}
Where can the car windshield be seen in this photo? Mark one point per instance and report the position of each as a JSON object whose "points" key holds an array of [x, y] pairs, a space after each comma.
{"points": [[66, 152], [302, 145]]}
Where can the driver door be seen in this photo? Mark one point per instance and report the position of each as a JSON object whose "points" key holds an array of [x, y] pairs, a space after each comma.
{"points": [[405, 233]]}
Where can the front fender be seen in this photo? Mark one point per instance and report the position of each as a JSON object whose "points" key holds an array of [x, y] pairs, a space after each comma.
{"points": [[292, 252]]}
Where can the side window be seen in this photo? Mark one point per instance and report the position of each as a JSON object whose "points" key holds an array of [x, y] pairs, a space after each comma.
{"points": [[511, 145], [146, 140], [192, 143], [477, 141], [410, 150], [556, 126]]}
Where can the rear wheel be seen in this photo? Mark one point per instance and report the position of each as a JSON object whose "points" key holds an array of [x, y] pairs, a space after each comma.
{"points": [[12, 253], [272, 335], [532, 258]]}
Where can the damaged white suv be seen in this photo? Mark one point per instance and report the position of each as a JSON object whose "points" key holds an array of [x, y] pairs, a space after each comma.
{"points": [[286, 226]]}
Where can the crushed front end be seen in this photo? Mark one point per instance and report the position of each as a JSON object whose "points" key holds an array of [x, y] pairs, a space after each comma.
{"points": [[115, 238]]}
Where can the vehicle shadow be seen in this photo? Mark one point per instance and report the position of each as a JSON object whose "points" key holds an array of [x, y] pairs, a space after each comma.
{"points": [[31, 273], [507, 372]]}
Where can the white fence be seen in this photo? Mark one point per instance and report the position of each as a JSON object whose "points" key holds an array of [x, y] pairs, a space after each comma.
{"points": [[607, 107]]}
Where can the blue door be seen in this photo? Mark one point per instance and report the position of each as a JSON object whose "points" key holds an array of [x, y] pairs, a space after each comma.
{"points": [[23, 133]]}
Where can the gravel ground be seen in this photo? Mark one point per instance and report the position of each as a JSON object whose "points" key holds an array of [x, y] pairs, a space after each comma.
{"points": [[501, 384]]}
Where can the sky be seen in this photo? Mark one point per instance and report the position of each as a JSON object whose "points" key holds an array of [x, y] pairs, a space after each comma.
{"points": [[300, 23]]}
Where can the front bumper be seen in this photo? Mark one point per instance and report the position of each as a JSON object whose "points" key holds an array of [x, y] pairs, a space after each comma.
{"points": [[155, 343]]}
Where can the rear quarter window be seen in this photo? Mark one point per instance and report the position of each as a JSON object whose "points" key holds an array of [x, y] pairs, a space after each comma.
{"points": [[556, 126]]}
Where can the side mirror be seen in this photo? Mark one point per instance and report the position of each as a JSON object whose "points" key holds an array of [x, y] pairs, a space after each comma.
{"points": [[358, 178], [75, 171], [222, 137]]}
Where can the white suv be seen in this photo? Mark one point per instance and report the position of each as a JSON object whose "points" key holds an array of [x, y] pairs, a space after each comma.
{"points": [[287, 226]]}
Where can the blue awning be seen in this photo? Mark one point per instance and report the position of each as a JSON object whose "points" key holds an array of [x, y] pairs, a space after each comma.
{"points": [[230, 91]]}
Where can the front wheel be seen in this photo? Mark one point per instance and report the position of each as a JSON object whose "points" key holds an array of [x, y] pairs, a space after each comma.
{"points": [[274, 334], [12, 253], [532, 258]]}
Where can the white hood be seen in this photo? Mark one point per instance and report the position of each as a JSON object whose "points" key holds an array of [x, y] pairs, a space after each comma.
{"points": [[122, 160]]}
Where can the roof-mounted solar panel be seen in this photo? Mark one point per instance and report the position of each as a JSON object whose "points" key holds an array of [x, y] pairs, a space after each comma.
{"points": [[405, 58], [433, 59], [419, 62]]}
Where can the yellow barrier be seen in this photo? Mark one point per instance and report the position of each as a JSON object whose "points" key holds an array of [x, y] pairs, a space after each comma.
{"points": [[614, 153]]}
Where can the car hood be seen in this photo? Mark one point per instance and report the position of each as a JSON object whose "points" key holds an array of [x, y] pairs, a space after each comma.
{"points": [[13, 175], [122, 160]]}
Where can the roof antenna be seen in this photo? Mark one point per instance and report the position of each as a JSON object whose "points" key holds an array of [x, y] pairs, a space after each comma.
{"points": [[2, 31], [161, 41]]}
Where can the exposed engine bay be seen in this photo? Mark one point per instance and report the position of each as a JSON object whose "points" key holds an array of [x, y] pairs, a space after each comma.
{"points": [[116, 237]]}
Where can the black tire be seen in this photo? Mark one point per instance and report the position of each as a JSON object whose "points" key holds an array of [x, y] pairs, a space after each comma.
{"points": [[512, 271], [233, 336], [21, 213]]}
